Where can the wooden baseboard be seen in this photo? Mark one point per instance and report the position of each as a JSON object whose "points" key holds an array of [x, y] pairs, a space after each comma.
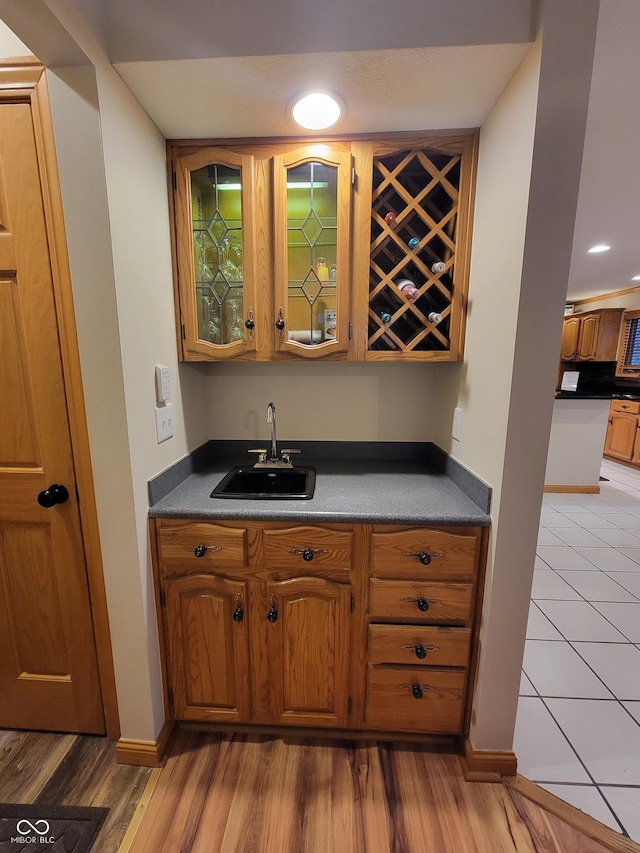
{"points": [[487, 765], [584, 823], [145, 753], [626, 462], [578, 490]]}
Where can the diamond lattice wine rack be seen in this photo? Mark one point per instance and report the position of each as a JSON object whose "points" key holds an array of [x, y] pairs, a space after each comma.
{"points": [[419, 253]]}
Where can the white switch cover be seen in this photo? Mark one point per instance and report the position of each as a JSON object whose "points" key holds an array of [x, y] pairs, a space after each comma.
{"points": [[164, 422], [457, 423]]}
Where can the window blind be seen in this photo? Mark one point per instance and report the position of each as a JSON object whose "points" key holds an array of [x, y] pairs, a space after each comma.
{"points": [[629, 363]]}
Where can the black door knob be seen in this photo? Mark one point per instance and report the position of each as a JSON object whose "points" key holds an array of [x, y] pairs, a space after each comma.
{"points": [[55, 494]]}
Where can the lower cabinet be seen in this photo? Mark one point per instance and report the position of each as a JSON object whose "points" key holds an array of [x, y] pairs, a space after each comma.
{"points": [[623, 433], [366, 627]]}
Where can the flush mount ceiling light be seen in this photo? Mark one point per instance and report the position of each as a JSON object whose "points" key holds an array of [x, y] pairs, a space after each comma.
{"points": [[316, 110], [599, 247]]}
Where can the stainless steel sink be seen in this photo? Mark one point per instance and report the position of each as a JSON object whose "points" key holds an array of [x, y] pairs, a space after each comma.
{"points": [[267, 483]]}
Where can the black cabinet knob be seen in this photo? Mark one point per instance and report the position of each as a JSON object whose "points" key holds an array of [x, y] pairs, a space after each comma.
{"points": [[200, 550], [280, 324], [55, 494], [417, 691], [420, 650], [249, 324], [238, 613], [424, 557], [272, 615], [423, 604], [307, 554]]}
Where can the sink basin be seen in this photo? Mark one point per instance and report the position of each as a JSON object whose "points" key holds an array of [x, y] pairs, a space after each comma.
{"points": [[267, 483]]}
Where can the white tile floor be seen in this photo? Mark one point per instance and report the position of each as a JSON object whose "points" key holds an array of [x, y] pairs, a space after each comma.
{"points": [[578, 723]]}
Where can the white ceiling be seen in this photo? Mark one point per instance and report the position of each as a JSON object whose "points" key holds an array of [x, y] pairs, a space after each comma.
{"points": [[410, 64]]}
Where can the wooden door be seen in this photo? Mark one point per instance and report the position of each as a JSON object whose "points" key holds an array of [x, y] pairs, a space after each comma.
{"points": [[48, 665], [208, 648], [308, 645]]}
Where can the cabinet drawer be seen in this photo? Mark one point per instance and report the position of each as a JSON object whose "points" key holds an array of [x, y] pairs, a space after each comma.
{"points": [[306, 546], [630, 407], [424, 553], [419, 645], [393, 705], [423, 603], [201, 547]]}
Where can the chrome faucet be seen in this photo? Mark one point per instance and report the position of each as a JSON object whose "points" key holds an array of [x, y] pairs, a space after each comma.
{"points": [[271, 419], [284, 461]]}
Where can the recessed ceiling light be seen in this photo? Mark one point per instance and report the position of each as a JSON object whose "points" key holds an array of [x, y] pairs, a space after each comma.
{"points": [[599, 247], [317, 111]]}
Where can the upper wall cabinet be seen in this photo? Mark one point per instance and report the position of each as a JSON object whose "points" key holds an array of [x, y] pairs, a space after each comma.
{"points": [[311, 251], [215, 253], [348, 249], [591, 335]]}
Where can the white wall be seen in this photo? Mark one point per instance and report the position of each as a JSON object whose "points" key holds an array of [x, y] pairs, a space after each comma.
{"points": [[321, 401], [528, 175]]}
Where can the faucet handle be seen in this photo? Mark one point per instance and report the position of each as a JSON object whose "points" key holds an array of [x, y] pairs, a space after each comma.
{"points": [[286, 454], [262, 451]]}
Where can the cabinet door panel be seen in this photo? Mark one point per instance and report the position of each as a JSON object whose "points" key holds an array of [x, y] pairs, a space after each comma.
{"points": [[588, 344], [208, 648], [312, 200], [569, 344], [308, 651], [214, 201], [621, 436]]}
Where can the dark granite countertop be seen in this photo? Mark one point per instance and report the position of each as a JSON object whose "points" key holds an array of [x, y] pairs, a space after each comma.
{"points": [[383, 482], [582, 395]]}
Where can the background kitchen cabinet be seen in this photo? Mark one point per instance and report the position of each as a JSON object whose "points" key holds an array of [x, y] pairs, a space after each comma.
{"points": [[591, 336], [299, 251], [623, 433]]}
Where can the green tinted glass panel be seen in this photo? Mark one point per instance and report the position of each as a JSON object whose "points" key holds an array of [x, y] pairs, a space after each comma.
{"points": [[313, 277], [216, 198]]}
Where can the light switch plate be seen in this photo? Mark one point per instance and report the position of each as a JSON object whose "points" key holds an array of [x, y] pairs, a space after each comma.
{"points": [[164, 422]]}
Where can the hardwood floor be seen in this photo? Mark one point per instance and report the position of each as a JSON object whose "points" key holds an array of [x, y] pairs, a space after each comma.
{"points": [[257, 794], [78, 770]]}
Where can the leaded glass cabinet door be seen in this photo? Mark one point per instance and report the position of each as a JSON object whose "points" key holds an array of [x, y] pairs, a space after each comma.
{"points": [[312, 189], [419, 251], [215, 253]]}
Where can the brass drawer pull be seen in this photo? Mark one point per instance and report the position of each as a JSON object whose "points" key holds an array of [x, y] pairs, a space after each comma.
{"points": [[417, 690], [425, 557], [308, 553], [419, 649], [423, 603], [201, 550]]}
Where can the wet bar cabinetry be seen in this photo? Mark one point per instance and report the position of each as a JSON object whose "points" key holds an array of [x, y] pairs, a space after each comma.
{"points": [[333, 249], [340, 626]]}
